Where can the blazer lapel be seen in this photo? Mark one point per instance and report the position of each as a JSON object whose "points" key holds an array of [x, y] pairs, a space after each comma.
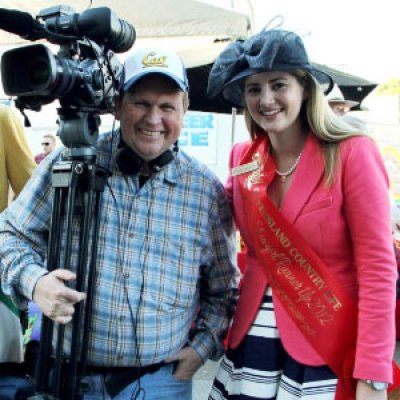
{"points": [[306, 178]]}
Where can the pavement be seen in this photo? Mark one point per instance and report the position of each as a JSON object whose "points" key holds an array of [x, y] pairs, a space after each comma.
{"points": [[203, 378]]}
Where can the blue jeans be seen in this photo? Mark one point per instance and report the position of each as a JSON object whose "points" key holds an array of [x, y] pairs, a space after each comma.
{"points": [[160, 385], [15, 387]]}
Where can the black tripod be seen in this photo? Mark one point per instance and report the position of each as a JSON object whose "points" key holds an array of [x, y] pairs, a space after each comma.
{"points": [[78, 184]]}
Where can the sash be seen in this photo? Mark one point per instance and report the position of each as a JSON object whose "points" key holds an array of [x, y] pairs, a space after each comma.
{"points": [[323, 311]]}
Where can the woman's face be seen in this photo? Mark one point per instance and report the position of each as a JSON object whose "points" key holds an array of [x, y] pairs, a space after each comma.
{"points": [[274, 100]]}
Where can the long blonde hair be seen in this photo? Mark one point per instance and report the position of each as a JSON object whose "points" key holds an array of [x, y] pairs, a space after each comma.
{"points": [[318, 117]]}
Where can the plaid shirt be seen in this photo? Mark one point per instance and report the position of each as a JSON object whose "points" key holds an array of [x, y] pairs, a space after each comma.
{"points": [[165, 258]]}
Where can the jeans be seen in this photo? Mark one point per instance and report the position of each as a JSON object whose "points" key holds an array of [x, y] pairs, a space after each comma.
{"points": [[15, 387], [160, 385]]}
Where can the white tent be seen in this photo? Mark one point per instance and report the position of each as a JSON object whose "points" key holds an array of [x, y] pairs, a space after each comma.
{"points": [[179, 23]]}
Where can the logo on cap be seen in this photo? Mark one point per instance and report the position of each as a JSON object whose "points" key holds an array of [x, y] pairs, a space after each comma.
{"points": [[152, 60]]}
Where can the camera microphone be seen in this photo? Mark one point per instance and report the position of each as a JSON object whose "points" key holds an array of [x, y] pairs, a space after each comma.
{"points": [[99, 24], [21, 24]]}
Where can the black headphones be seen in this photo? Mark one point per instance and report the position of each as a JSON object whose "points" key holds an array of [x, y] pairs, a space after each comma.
{"points": [[129, 163]]}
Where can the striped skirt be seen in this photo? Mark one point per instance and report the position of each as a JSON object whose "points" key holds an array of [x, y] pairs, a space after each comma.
{"points": [[261, 369]]}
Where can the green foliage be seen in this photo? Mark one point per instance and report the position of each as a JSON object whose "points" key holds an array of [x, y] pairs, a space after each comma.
{"points": [[391, 88]]}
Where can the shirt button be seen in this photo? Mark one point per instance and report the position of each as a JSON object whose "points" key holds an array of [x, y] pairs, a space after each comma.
{"points": [[122, 317], [126, 275]]}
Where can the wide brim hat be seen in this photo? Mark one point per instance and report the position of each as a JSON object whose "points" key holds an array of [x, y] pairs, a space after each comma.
{"points": [[269, 50], [336, 96], [348, 103], [153, 60]]}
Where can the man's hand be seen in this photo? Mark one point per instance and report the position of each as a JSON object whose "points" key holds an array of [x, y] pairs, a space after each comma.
{"points": [[188, 362], [54, 298]]}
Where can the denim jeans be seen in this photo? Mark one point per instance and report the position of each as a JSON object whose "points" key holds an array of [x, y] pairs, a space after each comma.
{"points": [[15, 387], [160, 385]]}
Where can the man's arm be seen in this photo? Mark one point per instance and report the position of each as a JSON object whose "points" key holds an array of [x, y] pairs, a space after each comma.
{"points": [[219, 282], [24, 231]]}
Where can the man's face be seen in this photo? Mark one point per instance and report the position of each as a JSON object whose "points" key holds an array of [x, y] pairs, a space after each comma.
{"points": [[151, 116], [339, 108], [48, 145]]}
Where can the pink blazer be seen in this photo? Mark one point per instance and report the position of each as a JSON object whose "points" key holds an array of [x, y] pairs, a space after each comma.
{"points": [[349, 226]]}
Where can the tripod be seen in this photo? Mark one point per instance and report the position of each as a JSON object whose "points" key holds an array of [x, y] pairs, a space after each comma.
{"points": [[78, 184]]}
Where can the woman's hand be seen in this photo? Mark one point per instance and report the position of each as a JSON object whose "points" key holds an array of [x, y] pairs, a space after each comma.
{"points": [[366, 392]]}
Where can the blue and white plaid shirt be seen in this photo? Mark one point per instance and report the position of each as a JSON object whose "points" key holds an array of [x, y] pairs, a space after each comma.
{"points": [[165, 258]]}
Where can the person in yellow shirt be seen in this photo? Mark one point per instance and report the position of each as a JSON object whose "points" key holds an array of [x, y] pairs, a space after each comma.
{"points": [[16, 159], [16, 167]]}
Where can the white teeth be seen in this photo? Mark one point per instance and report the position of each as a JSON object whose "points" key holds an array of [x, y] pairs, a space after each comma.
{"points": [[151, 133], [268, 113]]}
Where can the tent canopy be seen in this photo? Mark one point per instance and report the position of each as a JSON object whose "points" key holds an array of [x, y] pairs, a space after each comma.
{"points": [[160, 18]]}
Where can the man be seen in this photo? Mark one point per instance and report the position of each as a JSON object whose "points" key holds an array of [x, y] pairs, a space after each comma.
{"points": [[338, 103], [166, 275], [49, 144], [16, 167]]}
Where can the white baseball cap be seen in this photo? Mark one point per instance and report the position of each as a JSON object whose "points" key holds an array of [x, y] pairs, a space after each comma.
{"points": [[153, 60]]}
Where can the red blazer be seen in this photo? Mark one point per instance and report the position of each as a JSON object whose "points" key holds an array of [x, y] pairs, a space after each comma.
{"points": [[349, 226]]}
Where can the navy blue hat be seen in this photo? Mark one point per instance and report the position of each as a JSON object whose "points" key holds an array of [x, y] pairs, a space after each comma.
{"points": [[269, 50]]}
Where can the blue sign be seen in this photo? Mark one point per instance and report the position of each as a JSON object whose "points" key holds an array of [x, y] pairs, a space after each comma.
{"points": [[198, 136]]}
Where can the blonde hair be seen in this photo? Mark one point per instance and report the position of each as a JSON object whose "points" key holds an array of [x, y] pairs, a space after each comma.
{"points": [[318, 117]]}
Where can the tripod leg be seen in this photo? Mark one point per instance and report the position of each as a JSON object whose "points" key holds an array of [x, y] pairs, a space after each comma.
{"points": [[59, 370], [79, 343], [46, 331]]}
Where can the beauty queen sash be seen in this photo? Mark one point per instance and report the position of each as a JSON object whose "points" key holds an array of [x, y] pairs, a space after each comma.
{"points": [[320, 307]]}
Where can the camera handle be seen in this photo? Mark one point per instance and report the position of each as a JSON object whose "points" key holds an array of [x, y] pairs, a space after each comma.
{"points": [[78, 184]]}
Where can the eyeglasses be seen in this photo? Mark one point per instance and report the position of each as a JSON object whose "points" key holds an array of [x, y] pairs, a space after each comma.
{"points": [[45, 144]]}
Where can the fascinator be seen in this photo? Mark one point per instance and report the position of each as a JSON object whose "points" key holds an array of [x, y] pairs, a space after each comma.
{"points": [[269, 50]]}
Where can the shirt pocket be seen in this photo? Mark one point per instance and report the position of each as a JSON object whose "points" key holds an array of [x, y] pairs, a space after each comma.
{"points": [[173, 274]]}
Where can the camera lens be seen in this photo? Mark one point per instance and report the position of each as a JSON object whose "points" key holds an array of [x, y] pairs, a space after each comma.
{"points": [[38, 73]]}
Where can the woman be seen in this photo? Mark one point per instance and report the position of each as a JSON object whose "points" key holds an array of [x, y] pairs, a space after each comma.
{"points": [[310, 197]]}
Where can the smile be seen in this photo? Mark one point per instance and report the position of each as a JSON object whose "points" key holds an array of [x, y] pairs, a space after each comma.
{"points": [[151, 133], [270, 112]]}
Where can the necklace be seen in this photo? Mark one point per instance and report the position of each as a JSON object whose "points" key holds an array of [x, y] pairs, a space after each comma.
{"points": [[283, 175]]}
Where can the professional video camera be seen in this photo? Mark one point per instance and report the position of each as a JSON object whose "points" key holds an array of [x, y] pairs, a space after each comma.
{"points": [[83, 74]]}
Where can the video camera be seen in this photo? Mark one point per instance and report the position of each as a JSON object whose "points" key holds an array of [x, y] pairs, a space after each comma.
{"points": [[84, 72], [83, 75]]}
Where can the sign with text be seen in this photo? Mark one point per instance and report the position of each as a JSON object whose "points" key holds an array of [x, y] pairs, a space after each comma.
{"points": [[199, 136]]}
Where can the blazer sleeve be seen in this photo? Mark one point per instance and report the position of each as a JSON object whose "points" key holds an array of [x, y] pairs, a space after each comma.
{"points": [[367, 210]]}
